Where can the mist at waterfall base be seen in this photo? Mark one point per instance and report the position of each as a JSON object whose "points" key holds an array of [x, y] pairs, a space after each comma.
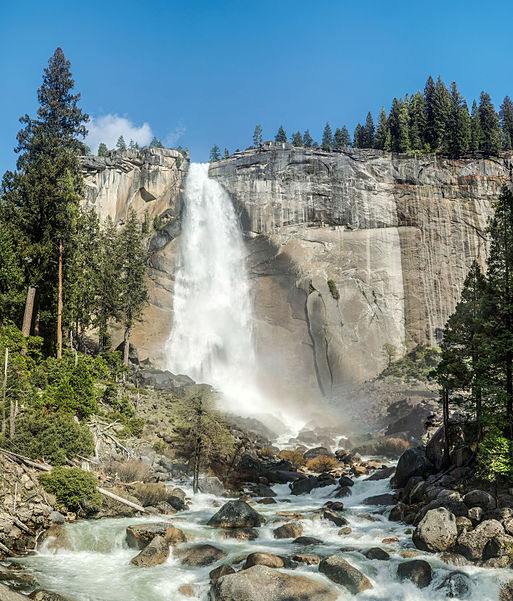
{"points": [[212, 335]]}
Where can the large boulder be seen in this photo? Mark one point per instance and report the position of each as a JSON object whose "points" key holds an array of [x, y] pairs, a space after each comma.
{"points": [[479, 498], [456, 585], [437, 531], [44, 596], [261, 583], [199, 555], [412, 462], [236, 514], [334, 517], [306, 485], [290, 530], [499, 546], [263, 559], [417, 570], [471, 544], [211, 485], [383, 499], [317, 452], [336, 568], [153, 554], [138, 536]]}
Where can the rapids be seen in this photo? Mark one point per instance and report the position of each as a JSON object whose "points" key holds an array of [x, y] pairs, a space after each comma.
{"points": [[97, 565]]}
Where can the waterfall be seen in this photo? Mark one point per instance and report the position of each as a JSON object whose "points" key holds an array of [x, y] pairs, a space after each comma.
{"points": [[211, 339]]}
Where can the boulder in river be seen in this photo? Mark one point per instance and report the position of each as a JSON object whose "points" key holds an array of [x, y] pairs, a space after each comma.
{"points": [[412, 462], [334, 517], [377, 553], [153, 554], [289, 530], [337, 569], [236, 514], [240, 533], [456, 585], [211, 485], [261, 583], [384, 499], [437, 531], [222, 570], [138, 536], [175, 536], [263, 559], [307, 540], [199, 555], [42, 596], [471, 544], [417, 570]]}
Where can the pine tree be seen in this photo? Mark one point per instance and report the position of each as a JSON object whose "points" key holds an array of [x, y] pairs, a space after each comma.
{"points": [[121, 144], [281, 136], [491, 141], [215, 154], [257, 135], [368, 132], [403, 141], [398, 125], [476, 133], [156, 143], [103, 151], [341, 139], [358, 136], [327, 137], [226, 153], [46, 189], [297, 139], [417, 123], [429, 93], [307, 139], [134, 290], [381, 130], [506, 121], [459, 125], [441, 116], [12, 278]]}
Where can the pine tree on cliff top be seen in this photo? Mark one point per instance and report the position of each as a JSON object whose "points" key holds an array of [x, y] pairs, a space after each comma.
{"points": [[489, 120], [103, 151], [257, 135], [381, 130], [215, 154], [307, 139], [506, 121], [121, 144], [281, 136], [368, 132], [327, 137], [297, 139]]}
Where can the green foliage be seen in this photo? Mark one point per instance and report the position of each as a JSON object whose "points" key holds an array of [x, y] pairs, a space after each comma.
{"points": [[103, 151], [333, 289], [54, 437], [73, 488], [297, 139], [156, 143], [307, 139], [121, 144], [494, 456], [341, 139], [12, 277], [327, 137], [257, 135], [281, 136], [215, 154], [418, 364]]}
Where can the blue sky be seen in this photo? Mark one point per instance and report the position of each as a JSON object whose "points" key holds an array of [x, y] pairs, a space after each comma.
{"points": [[201, 73]]}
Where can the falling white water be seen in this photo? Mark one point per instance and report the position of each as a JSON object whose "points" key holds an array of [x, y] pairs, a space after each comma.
{"points": [[211, 340]]}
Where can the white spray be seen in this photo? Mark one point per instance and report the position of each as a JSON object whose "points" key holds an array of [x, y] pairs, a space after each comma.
{"points": [[211, 340]]}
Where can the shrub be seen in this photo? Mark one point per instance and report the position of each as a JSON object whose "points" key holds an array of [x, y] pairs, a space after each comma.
{"points": [[321, 464], [267, 452], [389, 447], [150, 494], [52, 437], [295, 457], [131, 470], [333, 289], [72, 487]]}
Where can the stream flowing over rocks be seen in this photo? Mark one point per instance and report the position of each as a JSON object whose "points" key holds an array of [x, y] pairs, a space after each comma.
{"points": [[312, 546]]}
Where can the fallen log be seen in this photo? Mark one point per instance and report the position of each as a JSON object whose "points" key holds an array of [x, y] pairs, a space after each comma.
{"points": [[107, 493]]}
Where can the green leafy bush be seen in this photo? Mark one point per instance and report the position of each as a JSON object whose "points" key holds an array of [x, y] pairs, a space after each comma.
{"points": [[418, 364], [333, 289], [72, 487], [53, 437]]}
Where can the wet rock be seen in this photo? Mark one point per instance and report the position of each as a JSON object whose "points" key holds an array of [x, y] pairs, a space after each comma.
{"points": [[337, 569], [456, 585], [334, 505], [176, 502], [381, 474], [336, 518], [417, 570], [267, 501], [306, 485], [345, 481], [307, 540], [199, 555], [7, 595], [506, 591], [455, 559], [56, 517], [345, 531], [377, 553], [57, 538], [396, 513], [261, 583], [236, 514], [45, 596], [499, 546], [384, 499], [309, 560], [436, 532], [187, 590], [389, 540], [175, 536], [479, 498], [318, 452], [342, 491], [409, 554], [471, 544], [495, 562], [263, 559], [153, 554], [412, 462], [240, 533], [290, 530], [262, 490], [223, 570], [211, 485], [138, 536]]}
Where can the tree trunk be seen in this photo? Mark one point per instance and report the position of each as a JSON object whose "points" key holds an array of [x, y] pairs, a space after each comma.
{"points": [[29, 311], [126, 348], [445, 405], [196, 468], [4, 393], [59, 306]]}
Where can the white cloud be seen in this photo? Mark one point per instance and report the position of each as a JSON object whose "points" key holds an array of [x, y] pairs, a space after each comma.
{"points": [[173, 137], [109, 127]]}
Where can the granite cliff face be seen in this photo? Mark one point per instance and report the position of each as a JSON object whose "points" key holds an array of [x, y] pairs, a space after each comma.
{"points": [[352, 250], [347, 251]]}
